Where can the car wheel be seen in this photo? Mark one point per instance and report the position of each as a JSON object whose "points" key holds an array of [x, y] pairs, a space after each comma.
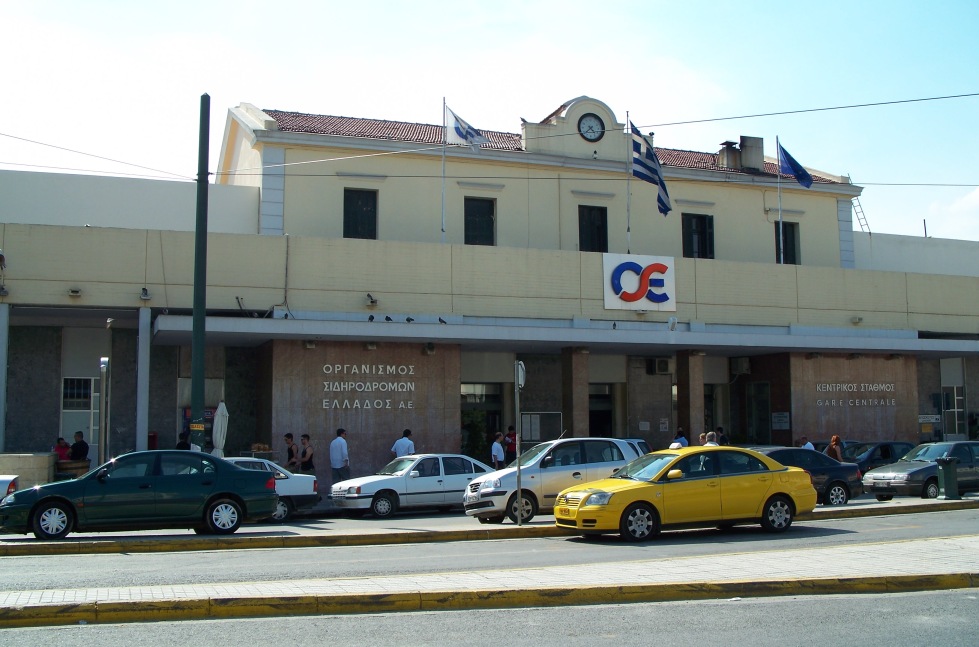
{"points": [[383, 505], [777, 515], [524, 505], [885, 497], [283, 510], [930, 490], [223, 517], [639, 522], [52, 521], [837, 494]]}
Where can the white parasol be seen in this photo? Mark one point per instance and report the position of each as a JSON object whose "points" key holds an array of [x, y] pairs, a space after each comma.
{"points": [[219, 431]]}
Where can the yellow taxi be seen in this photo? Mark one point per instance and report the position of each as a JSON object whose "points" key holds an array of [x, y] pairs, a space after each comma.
{"points": [[688, 487]]}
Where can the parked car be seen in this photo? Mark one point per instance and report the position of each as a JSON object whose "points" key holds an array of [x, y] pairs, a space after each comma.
{"points": [[8, 483], [413, 481], [688, 487], [916, 473], [296, 491], [545, 470], [143, 490], [871, 455], [836, 483], [640, 445]]}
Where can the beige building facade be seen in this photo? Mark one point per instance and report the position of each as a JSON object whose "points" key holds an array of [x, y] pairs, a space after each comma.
{"points": [[343, 290]]}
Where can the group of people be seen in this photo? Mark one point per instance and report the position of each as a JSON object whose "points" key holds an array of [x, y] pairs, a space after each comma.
{"points": [[504, 449], [300, 457], [77, 451], [707, 439]]}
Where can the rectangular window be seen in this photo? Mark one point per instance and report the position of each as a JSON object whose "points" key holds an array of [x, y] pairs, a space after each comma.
{"points": [[480, 221], [790, 235], [698, 235], [76, 394], [592, 229], [359, 214]]}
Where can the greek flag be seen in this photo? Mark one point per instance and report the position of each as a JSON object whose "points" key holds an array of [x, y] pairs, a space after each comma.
{"points": [[457, 131], [788, 166], [645, 166]]}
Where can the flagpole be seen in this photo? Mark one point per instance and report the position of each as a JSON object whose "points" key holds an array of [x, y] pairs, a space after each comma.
{"points": [[628, 186], [778, 179], [444, 138]]}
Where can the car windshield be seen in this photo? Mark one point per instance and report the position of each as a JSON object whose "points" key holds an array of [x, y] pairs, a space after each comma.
{"points": [[397, 467], [928, 453], [531, 454], [645, 467], [858, 451]]}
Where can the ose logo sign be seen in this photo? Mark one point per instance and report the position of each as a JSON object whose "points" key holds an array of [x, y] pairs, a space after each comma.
{"points": [[639, 282]]}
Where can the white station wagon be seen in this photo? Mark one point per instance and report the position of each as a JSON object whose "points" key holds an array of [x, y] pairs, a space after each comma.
{"points": [[413, 481], [296, 491]]}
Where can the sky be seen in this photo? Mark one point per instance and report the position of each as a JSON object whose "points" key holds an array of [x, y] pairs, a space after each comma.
{"points": [[123, 80]]}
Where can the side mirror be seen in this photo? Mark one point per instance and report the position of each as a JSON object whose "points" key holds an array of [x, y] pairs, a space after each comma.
{"points": [[102, 474], [674, 475], [414, 474], [547, 462], [616, 470]]}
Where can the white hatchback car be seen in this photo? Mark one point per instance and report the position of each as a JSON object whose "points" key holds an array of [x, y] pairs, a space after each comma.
{"points": [[545, 470], [296, 491], [413, 481]]}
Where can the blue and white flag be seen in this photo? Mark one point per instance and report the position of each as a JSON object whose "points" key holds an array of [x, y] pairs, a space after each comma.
{"points": [[788, 166], [645, 166], [457, 131]]}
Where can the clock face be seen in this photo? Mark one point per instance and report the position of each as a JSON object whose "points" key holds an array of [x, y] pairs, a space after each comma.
{"points": [[591, 127]]}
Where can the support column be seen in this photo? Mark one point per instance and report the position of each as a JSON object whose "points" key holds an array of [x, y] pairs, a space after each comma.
{"points": [[4, 340], [690, 394], [574, 390], [143, 379]]}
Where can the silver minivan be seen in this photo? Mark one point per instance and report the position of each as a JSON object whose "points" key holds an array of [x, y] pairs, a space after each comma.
{"points": [[545, 470]]}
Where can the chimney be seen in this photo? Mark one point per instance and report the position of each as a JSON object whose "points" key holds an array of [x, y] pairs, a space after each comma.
{"points": [[729, 156], [752, 154]]}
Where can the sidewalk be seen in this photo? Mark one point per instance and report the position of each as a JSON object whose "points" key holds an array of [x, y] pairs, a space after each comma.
{"points": [[940, 563]]}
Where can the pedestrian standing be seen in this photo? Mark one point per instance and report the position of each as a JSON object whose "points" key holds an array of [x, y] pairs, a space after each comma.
{"points": [[306, 456], [680, 438], [339, 458], [510, 445], [497, 455], [404, 445], [721, 436], [292, 453], [835, 449], [703, 438], [805, 444]]}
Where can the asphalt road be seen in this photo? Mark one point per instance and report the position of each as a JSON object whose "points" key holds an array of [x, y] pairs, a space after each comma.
{"points": [[896, 620], [151, 569]]}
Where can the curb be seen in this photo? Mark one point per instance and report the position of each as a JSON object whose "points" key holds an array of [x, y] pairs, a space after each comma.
{"points": [[232, 542], [240, 607]]}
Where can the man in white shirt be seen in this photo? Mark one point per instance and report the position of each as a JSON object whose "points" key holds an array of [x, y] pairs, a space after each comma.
{"points": [[497, 455], [805, 443], [711, 439], [404, 445], [339, 459]]}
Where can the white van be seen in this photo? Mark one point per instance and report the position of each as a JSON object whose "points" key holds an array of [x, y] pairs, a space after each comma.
{"points": [[545, 470]]}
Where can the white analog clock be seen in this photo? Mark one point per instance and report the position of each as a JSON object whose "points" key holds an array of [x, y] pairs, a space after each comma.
{"points": [[591, 127]]}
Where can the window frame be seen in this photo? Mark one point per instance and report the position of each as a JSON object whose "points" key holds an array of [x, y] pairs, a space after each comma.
{"points": [[697, 223], [791, 235], [592, 228], [475, 228], [356, 214]]}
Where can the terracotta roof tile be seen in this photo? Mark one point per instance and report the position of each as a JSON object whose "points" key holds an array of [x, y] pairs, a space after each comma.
{"points": [[429, 134]]}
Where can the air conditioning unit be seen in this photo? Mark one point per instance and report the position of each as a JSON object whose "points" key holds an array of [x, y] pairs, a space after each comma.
{"points": [[659, 366], [740, 366]]}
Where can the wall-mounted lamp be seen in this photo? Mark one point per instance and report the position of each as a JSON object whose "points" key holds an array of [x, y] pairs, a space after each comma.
{"points": [[813, 355], [74, 292], [371, 301], [894, 356], [144, 294], [3, 291], [429, 348], [854, 356], [309, 344], [370, 346], [698, 353], [856, 320], [672, 321]]}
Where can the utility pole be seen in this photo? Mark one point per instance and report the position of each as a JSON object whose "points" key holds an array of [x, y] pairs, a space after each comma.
{"points": [[200, 283]]}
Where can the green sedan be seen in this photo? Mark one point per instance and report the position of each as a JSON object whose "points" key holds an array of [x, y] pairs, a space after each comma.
{"points": [[144, 490]]}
